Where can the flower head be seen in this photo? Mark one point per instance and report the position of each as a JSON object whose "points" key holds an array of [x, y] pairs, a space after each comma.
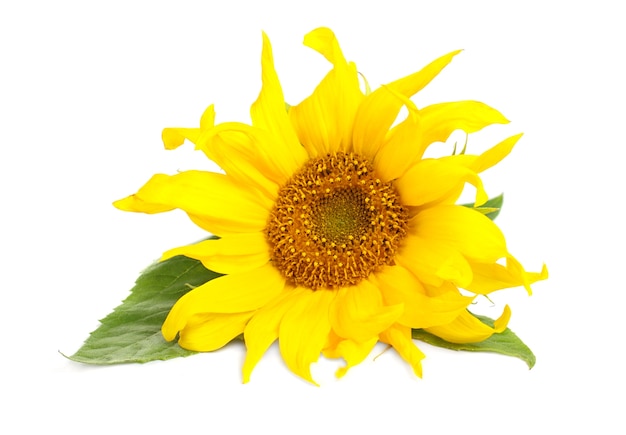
{"points": [[334, 232]]}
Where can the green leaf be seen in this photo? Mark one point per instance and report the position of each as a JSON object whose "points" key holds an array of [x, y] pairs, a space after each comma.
{"points": [[505, 343], [132, 332], [491, 208]]}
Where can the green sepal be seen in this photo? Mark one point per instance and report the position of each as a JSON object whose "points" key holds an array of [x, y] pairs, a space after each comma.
{"points": [[132, 332], [504, 343], [491, 208]]}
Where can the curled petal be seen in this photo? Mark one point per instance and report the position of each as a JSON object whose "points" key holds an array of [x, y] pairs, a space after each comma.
{"points": [[399, 337], [358, 312], [434, 262], [230, 254], [440, 120], [324, 41], [399, 286], [174, 137], [351, 351], [210, 331], [468, 329], [489, 277]]}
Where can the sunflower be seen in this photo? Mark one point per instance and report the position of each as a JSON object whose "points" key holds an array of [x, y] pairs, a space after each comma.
{"points": [[333, 232]]}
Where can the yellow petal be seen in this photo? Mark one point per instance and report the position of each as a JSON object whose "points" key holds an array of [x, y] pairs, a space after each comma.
{"points": [[174, 137], [399, 286], [489, 277], [440, 120], [249, 156], [433, 180], [262, 330], [400, 338], [208, 332], [358, 312], [351, 351], [433, 262], [230, 254], [324, 41], [470, 232], [269, 113], [223, 206], [487, 159], [468, 329], [236, 293], [373, 119], [402, 146], [324, 120], [412, 84], [304, 331], [137, 205], [380, 109], [494, 155]]}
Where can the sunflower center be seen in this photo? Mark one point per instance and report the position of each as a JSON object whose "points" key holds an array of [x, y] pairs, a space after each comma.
{"points": [[338, 216], [335, 222]]}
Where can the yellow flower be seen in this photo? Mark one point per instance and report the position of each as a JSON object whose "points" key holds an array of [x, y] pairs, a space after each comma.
{"points": [[334, 232]]}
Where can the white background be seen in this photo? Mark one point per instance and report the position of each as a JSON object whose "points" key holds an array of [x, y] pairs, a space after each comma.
{"points": [[85, 89]]}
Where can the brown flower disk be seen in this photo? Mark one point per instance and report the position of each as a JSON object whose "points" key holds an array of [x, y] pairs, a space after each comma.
{"points": [[335, 222]]}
